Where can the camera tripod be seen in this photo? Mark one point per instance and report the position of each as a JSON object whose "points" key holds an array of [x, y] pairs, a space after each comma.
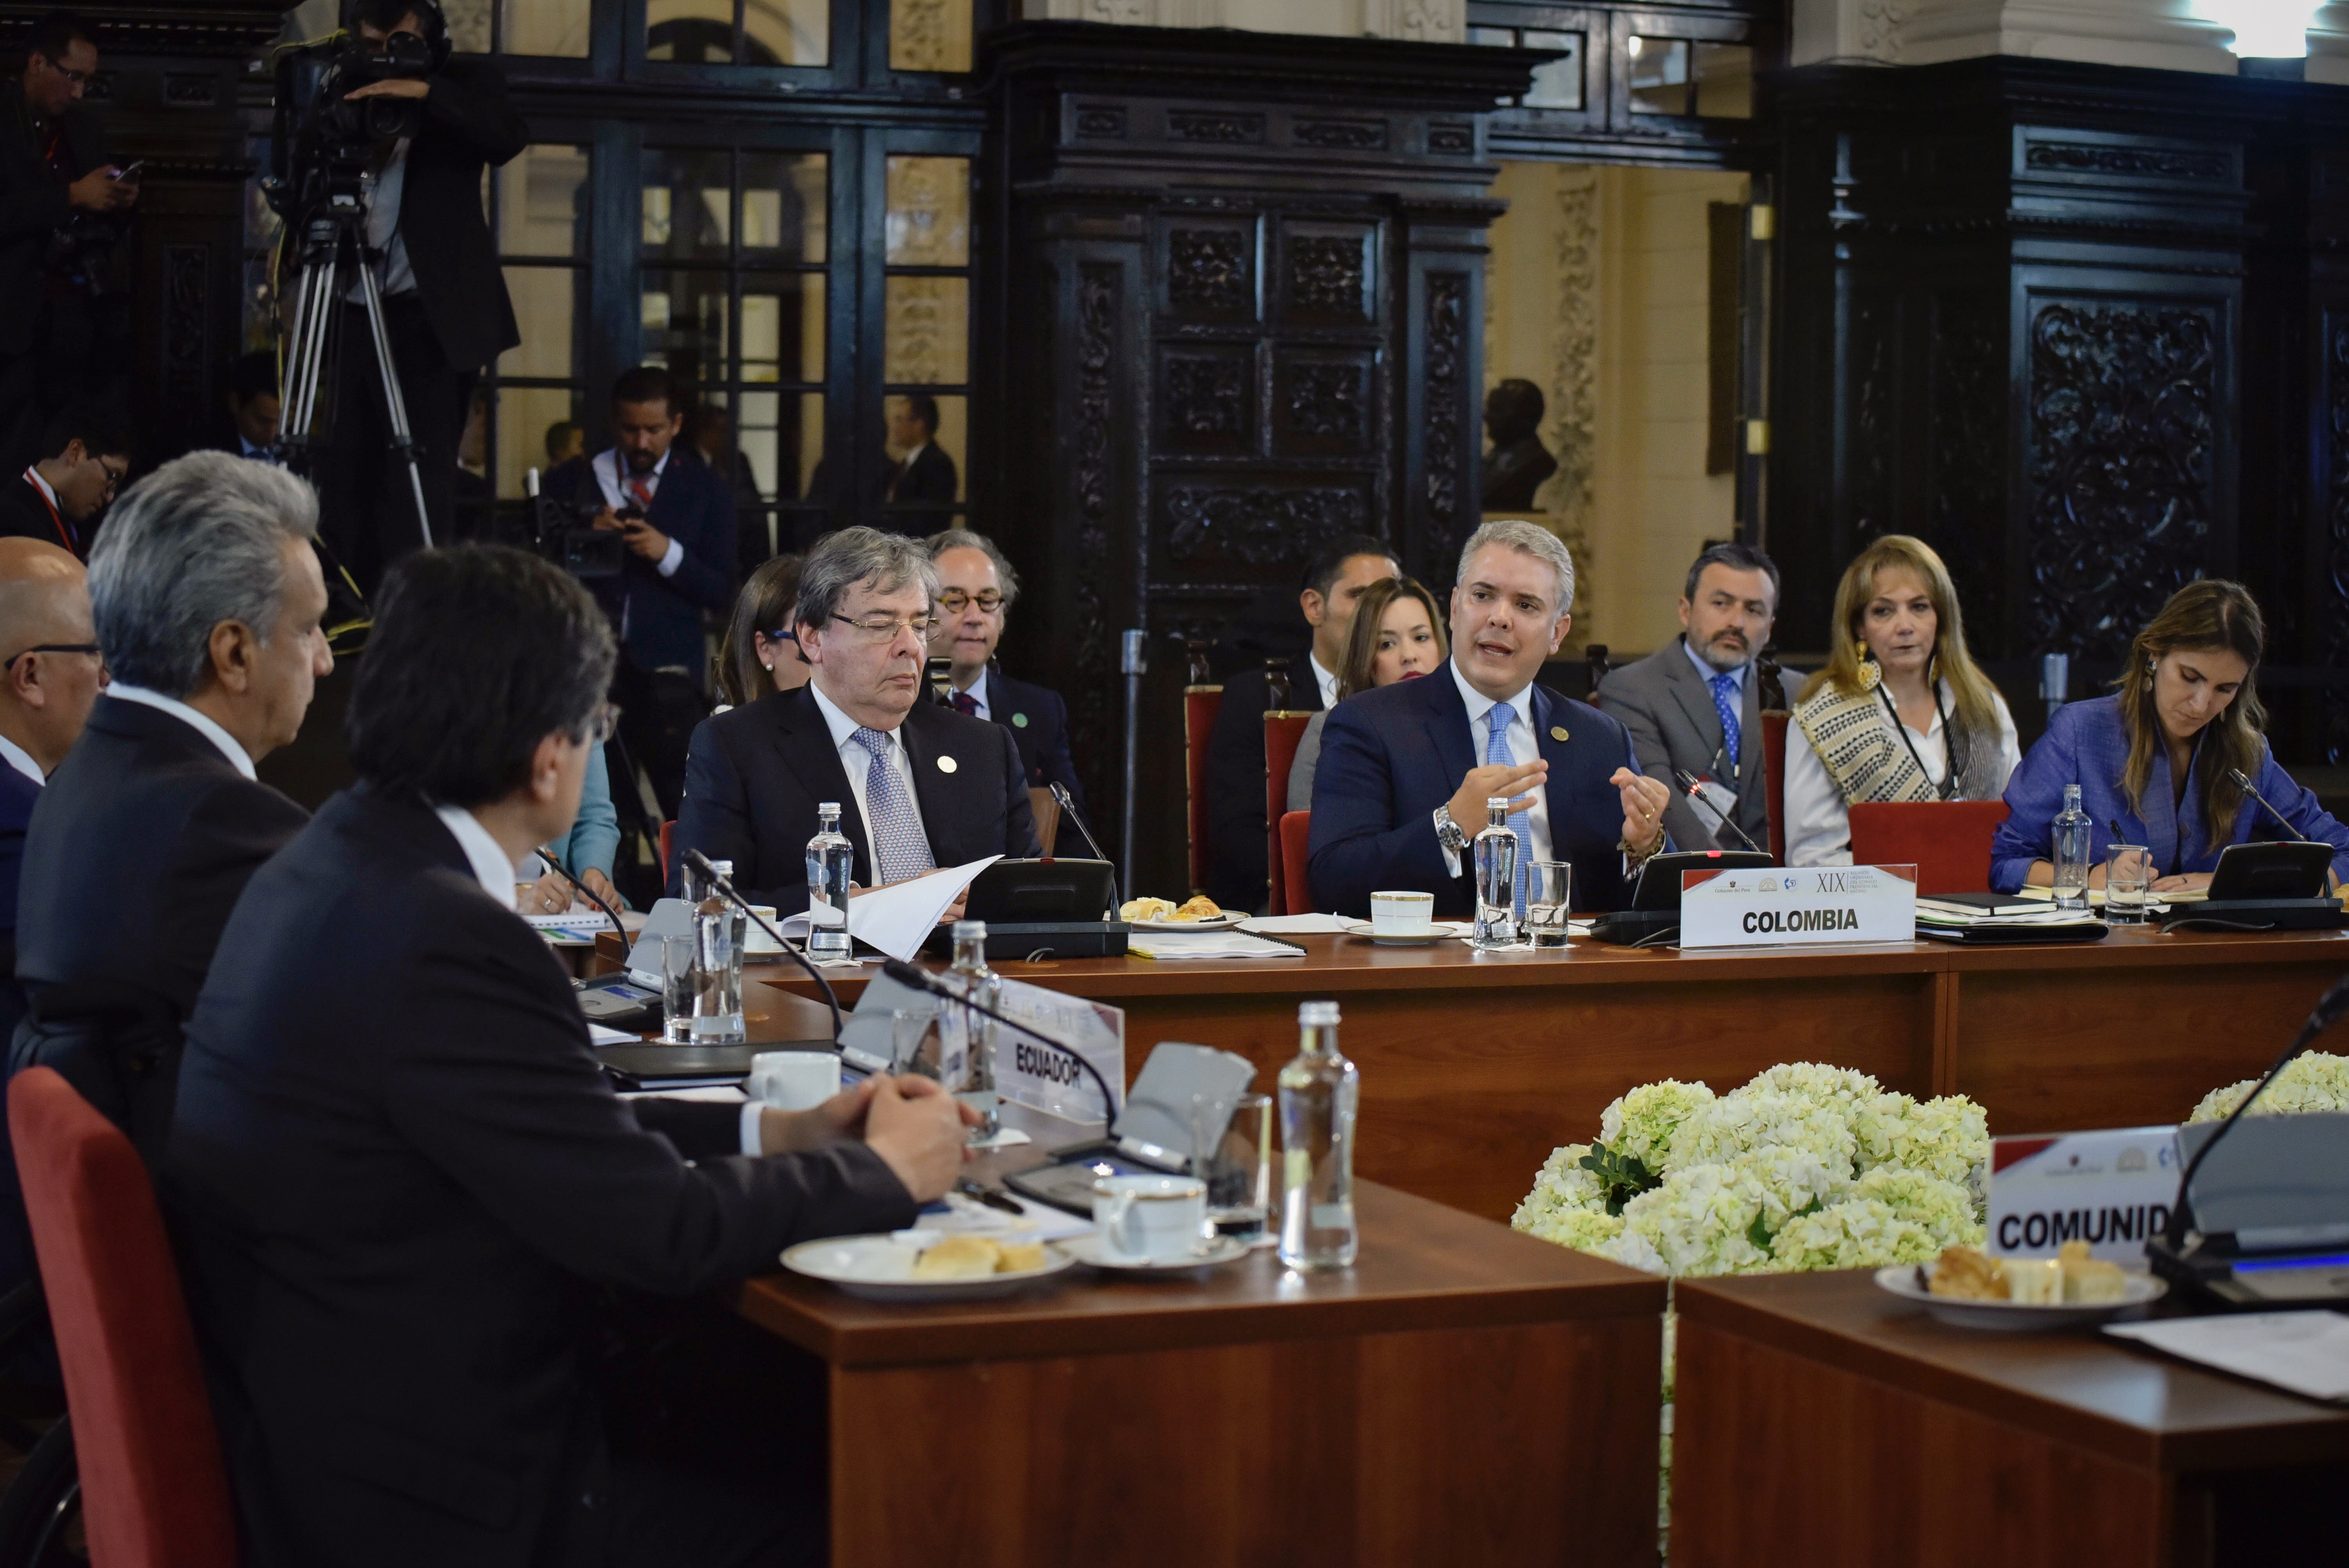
{"points": [[334, 246]]}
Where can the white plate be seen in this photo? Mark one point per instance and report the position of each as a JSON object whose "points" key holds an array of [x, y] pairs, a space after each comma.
{"points": [[1907, 1283], [1087, 1250], [880, 1268], [1441, 931], [1223, 922]]}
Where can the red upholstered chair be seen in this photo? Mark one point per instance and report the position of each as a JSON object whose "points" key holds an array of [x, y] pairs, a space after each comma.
{"points": [[1200, 706], [669, 834], [1282, 730], [1296, 830], [1947, 840], [154, 1489], [1773, 769]]}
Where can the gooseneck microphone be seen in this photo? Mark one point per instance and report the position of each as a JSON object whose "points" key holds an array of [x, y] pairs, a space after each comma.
{"points": [[2329, 1011], [2235, 776], [1068, 809], [700, 862], [922, 980], [1695, 788]]}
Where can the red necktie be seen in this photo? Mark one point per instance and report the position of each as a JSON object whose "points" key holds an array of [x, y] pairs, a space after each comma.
{"points": [[964, 702], [644, 492]]}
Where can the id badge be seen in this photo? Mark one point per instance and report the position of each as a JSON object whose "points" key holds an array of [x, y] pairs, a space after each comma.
{"points": [[1721, 797]]}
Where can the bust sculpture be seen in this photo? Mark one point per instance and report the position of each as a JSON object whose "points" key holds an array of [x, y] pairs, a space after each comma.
{"points": [[1518, 462]]}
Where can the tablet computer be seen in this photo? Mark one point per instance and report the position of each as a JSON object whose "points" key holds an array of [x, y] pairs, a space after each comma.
{"points": [[1027, 892]]}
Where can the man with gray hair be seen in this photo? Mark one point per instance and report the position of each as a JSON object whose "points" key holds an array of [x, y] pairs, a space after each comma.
{"points": [[975, 588], [1406, 769], [207, 596], [919, 786]]}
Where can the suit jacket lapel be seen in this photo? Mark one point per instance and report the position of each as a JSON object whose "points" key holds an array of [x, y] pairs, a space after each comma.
{"points": [[933, 786], [1695, 698], [804, 742], [1304, 686], [1448, 733]]}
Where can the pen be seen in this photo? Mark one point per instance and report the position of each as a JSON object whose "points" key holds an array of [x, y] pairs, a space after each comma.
{"points": [[988, 1196]]}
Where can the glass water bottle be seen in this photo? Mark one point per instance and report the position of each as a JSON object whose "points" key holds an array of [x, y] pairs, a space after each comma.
{"points": [[2074, 843], [968, 1038], [1496, 879], [1318, 1092], [718, 931], [830, 860]]}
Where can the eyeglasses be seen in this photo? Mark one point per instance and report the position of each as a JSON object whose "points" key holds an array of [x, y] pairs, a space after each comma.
{"points": [[953, 601], [885, 627], [90, 648], [78, 79], [114, 476], [602, 726], [783, 635]]}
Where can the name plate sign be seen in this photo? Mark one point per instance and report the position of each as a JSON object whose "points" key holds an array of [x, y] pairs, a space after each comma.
{"points": [[1781, 906], [2112, 1189]]}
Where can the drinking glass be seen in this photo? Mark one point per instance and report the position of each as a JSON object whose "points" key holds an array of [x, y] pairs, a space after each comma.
{"points": [[680, 988], [2128, 883], [1549, 893], [1237, 1170], [913, 1045]]}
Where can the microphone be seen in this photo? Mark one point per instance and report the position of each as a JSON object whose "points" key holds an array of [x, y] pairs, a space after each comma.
{"points": [[1695, 788], [2235, 776], [2329, 1011], [922, 980], [583, 891], [1068, 809], [700, 862]]}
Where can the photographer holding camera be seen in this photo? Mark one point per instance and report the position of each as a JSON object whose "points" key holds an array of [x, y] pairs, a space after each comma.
{"points": [[446, 312]]}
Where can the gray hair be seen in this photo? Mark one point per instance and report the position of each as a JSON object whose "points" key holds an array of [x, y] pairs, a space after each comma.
{"points": [[1530, 538], [964, 539], [841, 561], [200, 541]]}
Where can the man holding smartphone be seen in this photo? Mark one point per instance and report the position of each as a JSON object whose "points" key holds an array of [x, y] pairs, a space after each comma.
{"points": [[60, 341]]}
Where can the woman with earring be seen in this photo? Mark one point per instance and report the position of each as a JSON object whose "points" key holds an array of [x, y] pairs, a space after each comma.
{"points": [[757, 654], [1397, 636], [2153, 758], [1901, 712]]}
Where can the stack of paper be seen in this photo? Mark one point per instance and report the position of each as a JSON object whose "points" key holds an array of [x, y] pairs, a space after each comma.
{"points": [[1234, 944], [1297, 925], [2304, 1353]]}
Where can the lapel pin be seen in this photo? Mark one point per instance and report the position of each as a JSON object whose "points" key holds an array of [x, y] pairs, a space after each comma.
{"points": [[945, 764], [1557, 732], [1020, 720]]}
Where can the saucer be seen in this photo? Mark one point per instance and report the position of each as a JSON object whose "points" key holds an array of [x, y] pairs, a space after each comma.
{"points": [[1437, 932], [1087, 1250]]}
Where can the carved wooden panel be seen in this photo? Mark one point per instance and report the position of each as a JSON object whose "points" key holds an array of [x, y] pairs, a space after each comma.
{"points": [[186, 335], [1322, 403], [1251, 530], [2334, 609], [1966, 452], [1328, 273], [1210, 270], [1095, 432], [1205, 399], [1450, 498], [2119, 465]]}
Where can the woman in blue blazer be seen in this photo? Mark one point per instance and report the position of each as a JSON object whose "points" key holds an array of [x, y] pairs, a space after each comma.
{"points": [[2154, 756]]}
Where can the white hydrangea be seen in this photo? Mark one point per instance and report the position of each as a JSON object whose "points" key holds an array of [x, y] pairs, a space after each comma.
{"points": [[1561, 1186], [1790, 1179], [1846, 1087], [1747, 1120], [1639, 1125], [2318, 1081], [1857, 1233], [1583, 1230], [1699, 1219], [1948, 1138], [1943, 1208], [1634, 1251]]}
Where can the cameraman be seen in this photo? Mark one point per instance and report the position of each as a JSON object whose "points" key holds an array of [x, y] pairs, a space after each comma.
{"points": [[59, 342], [445, 306]]}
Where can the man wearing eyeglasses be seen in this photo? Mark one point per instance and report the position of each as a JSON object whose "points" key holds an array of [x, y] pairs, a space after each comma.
{"points": [[59, 196], [976, 587], [57, 500], [919, 786]]}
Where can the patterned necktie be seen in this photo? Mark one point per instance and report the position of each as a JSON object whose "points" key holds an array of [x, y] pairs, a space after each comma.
{"points": [[900, 849], [1496, 751], [964, 702], [644, 492], [1725, 702]]}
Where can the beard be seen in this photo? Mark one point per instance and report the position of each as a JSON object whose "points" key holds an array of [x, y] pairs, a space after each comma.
{"points": [[1726, 654]]}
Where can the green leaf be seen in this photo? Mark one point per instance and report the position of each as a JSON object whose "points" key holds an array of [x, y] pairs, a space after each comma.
{"points": [[1621, 1177]]}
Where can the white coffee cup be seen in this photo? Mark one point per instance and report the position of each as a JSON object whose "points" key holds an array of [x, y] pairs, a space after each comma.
{"points": [[755, 938], [1150, 1218], [1402, 914], [794, 1080]]}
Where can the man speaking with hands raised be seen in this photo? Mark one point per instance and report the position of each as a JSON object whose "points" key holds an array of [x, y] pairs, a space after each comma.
{"points": [[1406, 769]]}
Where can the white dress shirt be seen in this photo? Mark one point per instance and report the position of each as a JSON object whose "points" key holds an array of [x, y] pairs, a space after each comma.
{"points": [[1819, 821], [1523, 749], [202, 723], [977, 692], [48, 492], [385, 189], [854, 760], [1326, 681], [18, 757], [491, 868]]}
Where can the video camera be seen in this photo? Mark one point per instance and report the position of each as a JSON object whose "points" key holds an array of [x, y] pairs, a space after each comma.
{"points": [[565, 532], [321, 142]]}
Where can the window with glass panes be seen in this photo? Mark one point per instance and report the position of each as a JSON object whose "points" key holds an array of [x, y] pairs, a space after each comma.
{"points": [[539, 206], [925, 346], [556, 29]]}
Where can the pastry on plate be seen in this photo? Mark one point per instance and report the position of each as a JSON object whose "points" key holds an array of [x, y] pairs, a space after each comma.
{"points": [[958, 1258], [1965, 1274], [1199, 907], [1019, 1257], [2087, 1281], [1145, 909]]}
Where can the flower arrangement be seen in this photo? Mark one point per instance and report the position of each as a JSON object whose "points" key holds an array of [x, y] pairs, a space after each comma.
{"points": [[1806, 1167], [2316, 1081]]}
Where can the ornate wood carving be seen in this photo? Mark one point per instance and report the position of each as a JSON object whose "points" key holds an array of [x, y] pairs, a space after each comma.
{"points": [[2335, 610], [1325, 400], [1446, 383], [1092, 433], [187, 333], [1968, 449], [1207, 270], [1106, 119], [1213, 125], [1450, 139], [1258, 526], [1570, 428], [1203, 395], [1325, 274], [1358, 135], [1869, 359], [2103, 158], [2119, 466]]}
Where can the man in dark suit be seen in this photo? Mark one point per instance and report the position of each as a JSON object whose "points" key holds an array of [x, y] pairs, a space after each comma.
{"points": [[975, 589], [1236, 828], [446, 310], [59, 340], [919, 786], [400, 1178], [678, 519], [926, 475], [207, 598], [1406, 769], [251, 398], [60, 498], [1697, 705]]}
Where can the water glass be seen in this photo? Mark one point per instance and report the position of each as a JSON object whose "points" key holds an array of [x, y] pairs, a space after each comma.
{"points": [[1549, 893], [1239, 1170], [2128, 883], [679, 989], [913, 1045]]}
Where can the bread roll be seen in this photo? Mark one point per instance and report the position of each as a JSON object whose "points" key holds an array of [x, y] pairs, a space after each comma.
{"points": [[1019, 1257], [958, 1258]]}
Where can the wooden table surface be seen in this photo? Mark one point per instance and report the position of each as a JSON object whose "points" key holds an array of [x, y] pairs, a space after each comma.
{"points": [[1821, 1420], [1474, 1067]]}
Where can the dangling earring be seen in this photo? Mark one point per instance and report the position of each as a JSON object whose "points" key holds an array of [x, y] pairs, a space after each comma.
{"points": [[1871, 673]]}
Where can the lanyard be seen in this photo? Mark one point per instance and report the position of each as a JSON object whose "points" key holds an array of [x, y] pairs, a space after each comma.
{"points": [[1947, 788], [52, 506]]}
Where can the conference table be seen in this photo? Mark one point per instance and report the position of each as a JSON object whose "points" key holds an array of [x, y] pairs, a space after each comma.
{"points": [[1819, 1420], [1475, 1065]]}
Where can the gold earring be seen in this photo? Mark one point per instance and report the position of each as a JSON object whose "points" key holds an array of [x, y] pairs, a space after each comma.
{"points": [[1871, 673]]}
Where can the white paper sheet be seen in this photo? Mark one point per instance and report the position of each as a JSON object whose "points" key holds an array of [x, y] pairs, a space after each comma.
{"points": [[2304, 1353], [1208, 945], [897, 919], [598, 1034], [1297, 925]]}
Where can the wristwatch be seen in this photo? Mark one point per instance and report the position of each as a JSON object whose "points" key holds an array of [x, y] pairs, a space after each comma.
{"points": [[1448, 832]]}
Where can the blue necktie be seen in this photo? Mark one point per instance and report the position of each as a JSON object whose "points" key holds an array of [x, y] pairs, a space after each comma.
{"points": [[1497, 750], [901, 851], [1725, 702]]}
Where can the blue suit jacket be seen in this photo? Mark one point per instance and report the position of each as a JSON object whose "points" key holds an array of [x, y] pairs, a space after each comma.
{"points": [[2086, 745], [17, 796], [662, 616], [1391, 756], [1039, 722]]}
